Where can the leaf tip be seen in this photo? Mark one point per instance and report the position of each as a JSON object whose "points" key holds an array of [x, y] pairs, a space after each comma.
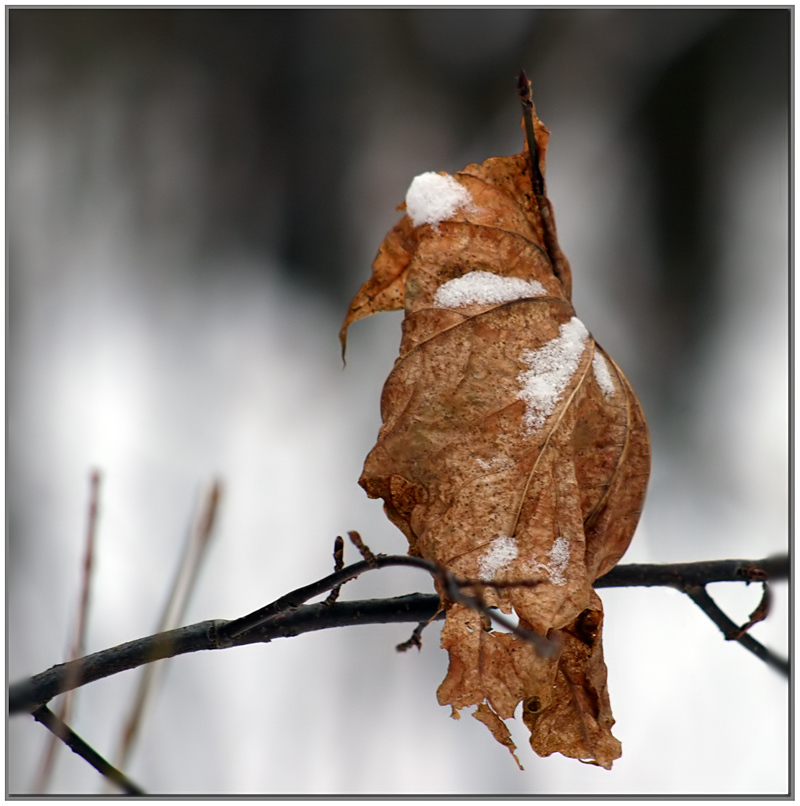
{"points": [[343, 339], [498, 728], [524, 87]]}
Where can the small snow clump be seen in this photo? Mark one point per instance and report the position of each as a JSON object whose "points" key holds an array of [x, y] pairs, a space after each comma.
{"points": [[500, 552], [485, 288], [432, 197], [550, 369], [559, 560], [602, 375], [496, 464]]}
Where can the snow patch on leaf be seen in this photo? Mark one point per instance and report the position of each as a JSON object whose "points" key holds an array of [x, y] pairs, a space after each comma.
{"points": [[559, 560], [485, 288], [500, 552], [550, 370], [602, 375], [431, 198], [494, 465]]}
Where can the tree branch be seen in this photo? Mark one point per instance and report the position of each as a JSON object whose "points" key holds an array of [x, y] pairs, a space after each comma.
{"points": [[679, 575], [699, 595], [41, 688], [289, 616], [71, 739], [236, 628], [691, 579]]}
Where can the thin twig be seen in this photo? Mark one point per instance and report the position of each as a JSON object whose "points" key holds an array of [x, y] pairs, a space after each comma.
{"points": [[677, 575], [759, 614], [416, 636], [699, 595], [197, 542], [451, 584], [415, 639], [546, 647], [363, 548], [78, 644], [62, 731], [235, 628], [338, 564]]}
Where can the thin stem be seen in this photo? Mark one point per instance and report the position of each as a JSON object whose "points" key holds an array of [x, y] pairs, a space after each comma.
{"points": [[416, 636], [235, 628], [699, 595], [78, 647], [450, 582], [415, 639], [677, 575], [546, 647], [198, 538], [363, 549], [71, 739], [78, 644], [338, 564]]}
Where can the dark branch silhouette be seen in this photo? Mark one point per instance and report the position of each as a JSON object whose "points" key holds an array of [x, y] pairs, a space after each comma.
{"points": [[71, 739], [699, 595], [290, 616]]}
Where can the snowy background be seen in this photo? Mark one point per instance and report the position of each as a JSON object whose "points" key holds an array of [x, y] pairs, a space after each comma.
{"points": [[194, 196]]}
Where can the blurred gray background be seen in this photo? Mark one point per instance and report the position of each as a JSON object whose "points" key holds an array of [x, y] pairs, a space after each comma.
{"points": [[193, 198]]}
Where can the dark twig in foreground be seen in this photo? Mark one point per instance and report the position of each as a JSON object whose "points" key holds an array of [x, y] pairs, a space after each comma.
{"points": [[415, 640], [452, 585], [71, 739], [692, 578], [416, 636], [27, 694], [286, 617], [546, 647], [238, 627], [677, 575], [699, 595]]}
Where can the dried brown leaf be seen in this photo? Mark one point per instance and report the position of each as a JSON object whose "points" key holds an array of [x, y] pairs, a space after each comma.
{"points": [[483, 713], [512, 447], [384, 291]]}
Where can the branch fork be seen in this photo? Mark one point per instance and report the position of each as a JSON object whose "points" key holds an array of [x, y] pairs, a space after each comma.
{"points": [[290, 615]]}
